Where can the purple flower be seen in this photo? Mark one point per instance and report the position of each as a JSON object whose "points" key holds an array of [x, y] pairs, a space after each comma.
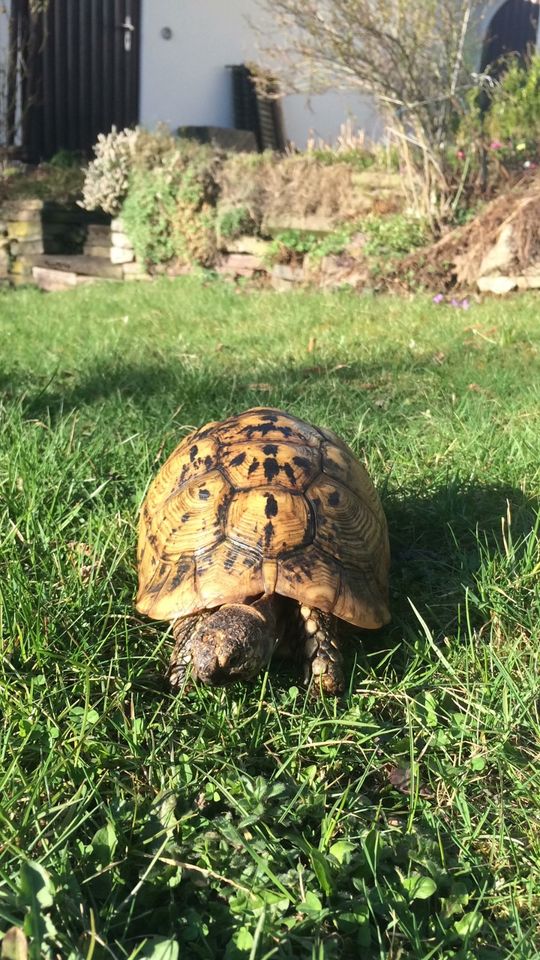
{"points": [[465, 304], [438, 298], [495, 145]]}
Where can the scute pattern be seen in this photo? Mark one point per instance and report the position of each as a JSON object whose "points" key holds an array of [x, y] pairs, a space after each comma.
{"points": [[263, 502], [191, 522], [345, 529], [252, 463], [271, 521], [272, 426]]}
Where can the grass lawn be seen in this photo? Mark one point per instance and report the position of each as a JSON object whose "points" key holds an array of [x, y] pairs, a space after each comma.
{"points": [[254, 821]]}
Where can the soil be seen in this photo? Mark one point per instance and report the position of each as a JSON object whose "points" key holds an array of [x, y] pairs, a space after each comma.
{"points": [[453, 262]]}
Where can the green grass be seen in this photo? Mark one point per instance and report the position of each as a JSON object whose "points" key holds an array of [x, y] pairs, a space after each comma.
{"points": [[256, 822]]}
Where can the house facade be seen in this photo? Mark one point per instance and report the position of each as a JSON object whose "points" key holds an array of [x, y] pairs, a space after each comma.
{"points": [[92, 64], [184, 78]]}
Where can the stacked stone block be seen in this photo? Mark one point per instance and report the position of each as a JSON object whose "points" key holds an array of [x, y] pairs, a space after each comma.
{"points": [[25, 237], [122, 252], [98, 240], [4, 252]]}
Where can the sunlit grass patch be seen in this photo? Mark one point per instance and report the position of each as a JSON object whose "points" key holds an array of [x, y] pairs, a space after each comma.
{"points": [[254, 821]]}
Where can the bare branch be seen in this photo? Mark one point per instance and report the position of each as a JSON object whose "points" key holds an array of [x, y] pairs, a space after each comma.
{"points": [[412, 58]]}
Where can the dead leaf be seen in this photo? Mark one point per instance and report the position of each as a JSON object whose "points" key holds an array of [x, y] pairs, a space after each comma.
{"points": [[264, 387], [439, 357], [366, 385], [16, 531], [400, 778], [82, 549], [312, 343], [14, 945], [77, 551]]}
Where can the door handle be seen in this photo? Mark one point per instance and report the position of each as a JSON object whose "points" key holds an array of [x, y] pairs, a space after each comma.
{"points": [[128, 28]]}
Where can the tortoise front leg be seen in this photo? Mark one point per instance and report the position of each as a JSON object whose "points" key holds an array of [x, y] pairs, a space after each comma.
{"points": [[323, 658], [183, 632]]}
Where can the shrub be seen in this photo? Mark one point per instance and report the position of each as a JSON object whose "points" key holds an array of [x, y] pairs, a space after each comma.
{"points": [[107, 177], [194, 229], [351, 146], [168, 211], [235, 223], [148, 212], [504, 124], [120, 153], [514, 111], [243, 186]]}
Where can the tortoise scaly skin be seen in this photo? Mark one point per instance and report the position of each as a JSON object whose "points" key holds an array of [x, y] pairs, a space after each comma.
{"points": [[256, 530]]}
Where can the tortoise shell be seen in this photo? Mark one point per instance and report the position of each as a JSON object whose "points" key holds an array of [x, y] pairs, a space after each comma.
{"points": [[263, 503]]}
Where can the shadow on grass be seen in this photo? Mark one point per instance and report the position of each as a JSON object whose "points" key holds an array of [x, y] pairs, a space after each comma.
{"points": [[198, 387], [440, 537]]}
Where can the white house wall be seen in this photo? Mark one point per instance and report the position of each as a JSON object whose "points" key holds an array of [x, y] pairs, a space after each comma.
{"points": [[184, 80]]}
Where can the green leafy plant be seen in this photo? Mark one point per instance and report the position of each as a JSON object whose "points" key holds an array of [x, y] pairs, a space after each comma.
{"points": [[335, 243], [394, 235], [148, 213], [513, 116], [168, 211], [384, 237], [501, 128], [291, 244], [66, 159], [236, 222]]}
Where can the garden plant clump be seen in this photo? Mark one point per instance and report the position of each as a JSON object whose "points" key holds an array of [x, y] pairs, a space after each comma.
{"points": [[183, 203], [60, 180], [164, 188], [504, 122], [252, 821]]}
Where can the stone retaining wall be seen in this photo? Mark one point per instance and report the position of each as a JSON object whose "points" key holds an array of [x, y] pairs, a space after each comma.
{"points": [[33, 232], [37, 238], [249, 257]]}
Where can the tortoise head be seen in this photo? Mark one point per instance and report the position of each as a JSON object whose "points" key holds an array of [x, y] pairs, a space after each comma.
{"points": [[235, 643]]}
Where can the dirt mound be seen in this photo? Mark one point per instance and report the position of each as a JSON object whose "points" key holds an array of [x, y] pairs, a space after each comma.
{"points": [[503, 240]]}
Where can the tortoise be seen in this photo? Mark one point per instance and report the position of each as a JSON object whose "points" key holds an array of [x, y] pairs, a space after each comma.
{"points": [[262, 531]]}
